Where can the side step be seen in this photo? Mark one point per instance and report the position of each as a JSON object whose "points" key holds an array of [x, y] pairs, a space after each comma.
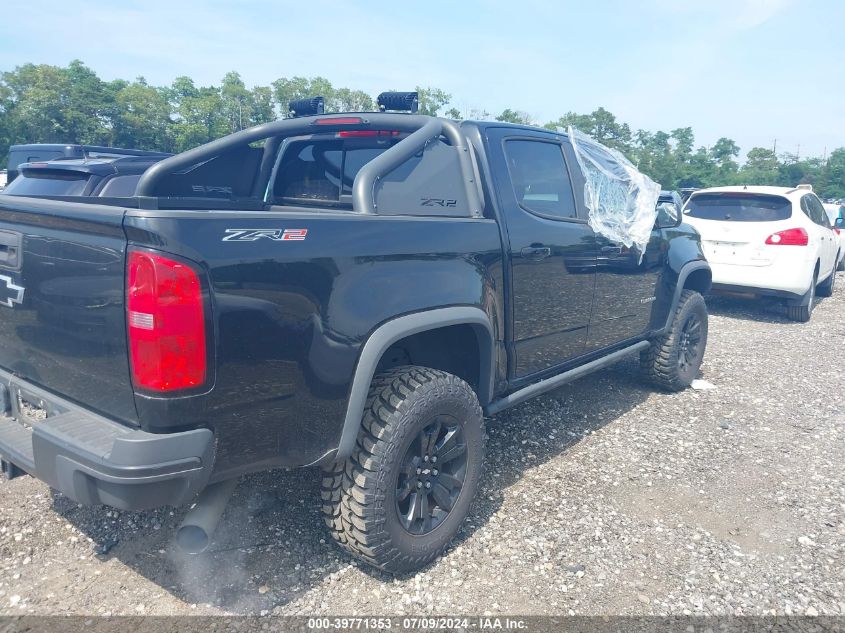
{"points": [[554, 382]]}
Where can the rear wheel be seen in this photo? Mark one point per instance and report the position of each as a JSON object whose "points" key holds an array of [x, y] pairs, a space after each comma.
{"points": [[406, 489], [804, 310], [673, 360]]}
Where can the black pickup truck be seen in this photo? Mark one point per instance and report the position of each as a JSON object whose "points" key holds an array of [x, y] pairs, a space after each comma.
{"points": [[352, 291]]}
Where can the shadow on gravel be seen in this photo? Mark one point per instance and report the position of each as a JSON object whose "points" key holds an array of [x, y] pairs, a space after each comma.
{"points": [[764, 309], [271, 548]]}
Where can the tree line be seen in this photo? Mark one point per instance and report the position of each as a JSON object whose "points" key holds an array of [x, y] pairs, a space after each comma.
{"points": [[41, 103]]}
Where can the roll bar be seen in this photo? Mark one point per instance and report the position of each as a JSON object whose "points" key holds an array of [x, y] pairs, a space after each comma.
{"points": [[423, 129]]}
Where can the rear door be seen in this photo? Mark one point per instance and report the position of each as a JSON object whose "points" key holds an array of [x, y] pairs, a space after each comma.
{"points": [[62, 319], [551, 248]]}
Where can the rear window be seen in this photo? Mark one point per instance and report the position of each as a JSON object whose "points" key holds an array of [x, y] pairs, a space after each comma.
{"points": [[739, 207], [49, 183], [120, 186], [322, 172]]}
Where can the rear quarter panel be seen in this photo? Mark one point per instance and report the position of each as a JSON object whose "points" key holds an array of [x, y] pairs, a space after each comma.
{"points": [[290, 316]]}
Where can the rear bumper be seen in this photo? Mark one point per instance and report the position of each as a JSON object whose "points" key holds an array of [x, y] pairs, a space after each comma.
{"points": [[94, 460], [786, 279], [751, 291]]}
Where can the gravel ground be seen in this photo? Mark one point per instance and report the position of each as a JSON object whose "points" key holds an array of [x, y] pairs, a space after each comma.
{"points": [[603, 497]]}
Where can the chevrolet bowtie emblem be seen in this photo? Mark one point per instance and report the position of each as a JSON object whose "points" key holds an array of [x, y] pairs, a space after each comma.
{"points": [[10, 292]]}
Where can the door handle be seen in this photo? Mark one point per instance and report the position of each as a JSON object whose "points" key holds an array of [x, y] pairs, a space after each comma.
{"points": [[536, 253], [611, 250]]}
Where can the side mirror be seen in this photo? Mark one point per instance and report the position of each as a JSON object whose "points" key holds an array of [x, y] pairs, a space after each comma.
{"points": [[840, 223], [668, 216]]}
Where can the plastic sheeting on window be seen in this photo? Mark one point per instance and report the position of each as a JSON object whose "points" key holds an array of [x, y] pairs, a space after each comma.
{"points": [[622, 201]]}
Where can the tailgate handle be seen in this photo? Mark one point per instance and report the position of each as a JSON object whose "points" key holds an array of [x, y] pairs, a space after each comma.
{"points": [[10, 248]]}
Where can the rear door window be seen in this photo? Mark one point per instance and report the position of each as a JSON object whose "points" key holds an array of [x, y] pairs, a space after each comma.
{"points": [[739, 207], [817, 211], [540, 179], [48, 183]]}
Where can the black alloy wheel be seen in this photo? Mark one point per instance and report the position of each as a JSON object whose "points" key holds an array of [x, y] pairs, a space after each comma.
{"points": [[689, 343], [431, 476]]}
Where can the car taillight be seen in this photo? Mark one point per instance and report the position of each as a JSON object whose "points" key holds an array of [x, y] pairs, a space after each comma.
{"points": [[166, 323], [789, 237]]}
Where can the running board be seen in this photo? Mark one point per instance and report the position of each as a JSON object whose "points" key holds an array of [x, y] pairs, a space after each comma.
{"points": [[561, 379]]}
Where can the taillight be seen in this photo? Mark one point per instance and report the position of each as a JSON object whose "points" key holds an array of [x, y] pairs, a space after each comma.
{"points": [[789, 237], [166, 323]]}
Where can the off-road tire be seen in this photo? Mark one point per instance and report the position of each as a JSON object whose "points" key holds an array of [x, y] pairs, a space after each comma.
{"points": [[825, 289], [660, 363], [803, 311], [359, 495]]}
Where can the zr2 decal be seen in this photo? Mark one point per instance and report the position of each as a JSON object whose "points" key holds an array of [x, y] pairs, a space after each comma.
{"points": [[277, 235], [437, 202]]}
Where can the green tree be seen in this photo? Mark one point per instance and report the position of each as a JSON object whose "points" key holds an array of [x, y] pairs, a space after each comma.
{"points": [[261, 105], [51, 104], [581, 122], [347, 100], [724, 153], [89, 105], [453, 113], [432, 100], [198, 112], [684, 140], [236, 101], [600, 125], [514, 116], [43, 103], [760, 168], [141, 118], [831, 182], [286, 90], [700, 172]]}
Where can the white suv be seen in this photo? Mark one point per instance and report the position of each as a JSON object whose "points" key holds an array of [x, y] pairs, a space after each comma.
{"points": [[771, 241]]}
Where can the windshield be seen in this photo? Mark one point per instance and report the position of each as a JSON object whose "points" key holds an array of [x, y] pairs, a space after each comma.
{"points": [[739, 207], [52, 183]]}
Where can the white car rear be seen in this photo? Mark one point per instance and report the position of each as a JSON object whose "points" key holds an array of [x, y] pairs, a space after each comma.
{"points": [[771, 241]]}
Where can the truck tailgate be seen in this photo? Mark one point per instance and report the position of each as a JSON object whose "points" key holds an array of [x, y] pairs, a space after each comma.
{"points": [[62, 320]]}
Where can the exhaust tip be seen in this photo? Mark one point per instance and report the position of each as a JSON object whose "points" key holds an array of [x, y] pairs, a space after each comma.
{"points": [[192, 539]]}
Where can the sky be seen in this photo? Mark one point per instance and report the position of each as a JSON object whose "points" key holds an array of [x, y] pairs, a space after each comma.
{"points": [[755, 71]]}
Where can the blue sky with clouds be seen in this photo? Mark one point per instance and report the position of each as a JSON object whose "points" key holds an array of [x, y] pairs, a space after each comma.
{"points": [[752, 70]]}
